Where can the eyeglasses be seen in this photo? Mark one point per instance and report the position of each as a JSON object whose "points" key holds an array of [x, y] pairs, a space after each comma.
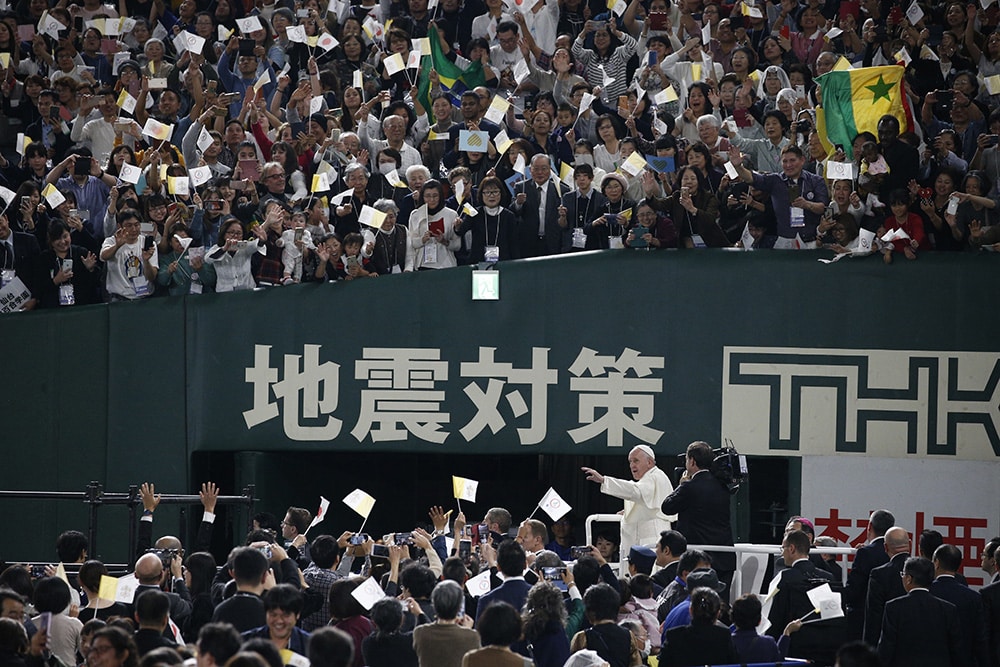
{"points": [[490, 192], [276, 174]]}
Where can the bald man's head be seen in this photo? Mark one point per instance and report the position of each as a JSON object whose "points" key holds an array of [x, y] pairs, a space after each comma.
{"points": [[897, 540], [149, 570], [169, 542]]}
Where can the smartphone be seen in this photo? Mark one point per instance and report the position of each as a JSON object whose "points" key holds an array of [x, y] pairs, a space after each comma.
{"points": [[238, 185], [359, 538], [149, 243], [945, 97], [553, 573], [399, 539], [380, 551], [465, 549], [991, 140], [212, 84], [171, 207], [25, 201], [220, 111], [576, 553], [247, 46], [67, 265], [302, 13], [657, 20], [213, 206], [736, 22], [122, 126], [55, 112], [81, 167], [250, 170]]}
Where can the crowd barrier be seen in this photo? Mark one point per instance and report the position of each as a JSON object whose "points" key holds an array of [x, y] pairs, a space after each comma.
{"points": [[751, 559]]}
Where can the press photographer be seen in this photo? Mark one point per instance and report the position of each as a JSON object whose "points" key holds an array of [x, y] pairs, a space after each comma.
{"points": [[701, 502]]}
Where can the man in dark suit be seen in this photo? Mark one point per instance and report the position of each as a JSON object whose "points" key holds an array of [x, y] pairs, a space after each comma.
{"points": [[903, 159], [991, 599], [511, 561], [668, 553], [151, 573], [947, 562], [245, 609], [49, 129], [918, 629], [819, 639], [800, 575], [701, 503], [885, 582], [536, 204], [580, 208], [866, 559], [152, 609]]}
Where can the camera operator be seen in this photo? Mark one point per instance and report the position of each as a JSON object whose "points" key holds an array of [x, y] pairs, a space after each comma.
{"points": [[701, 503]]}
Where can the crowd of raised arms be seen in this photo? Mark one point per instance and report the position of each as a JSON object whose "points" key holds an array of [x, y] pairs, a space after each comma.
{"points": [[158, 149], [452, 593]]}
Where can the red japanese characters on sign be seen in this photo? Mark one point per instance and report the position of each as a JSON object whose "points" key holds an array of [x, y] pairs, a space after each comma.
{"points": [[969, 534]]}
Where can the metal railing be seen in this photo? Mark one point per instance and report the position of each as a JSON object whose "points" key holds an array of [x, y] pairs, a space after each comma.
{"points": [[95, 497], [751, 559]]}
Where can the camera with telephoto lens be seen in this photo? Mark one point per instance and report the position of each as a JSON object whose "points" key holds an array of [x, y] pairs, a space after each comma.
{"points": [[165, 555], [728, 466]]}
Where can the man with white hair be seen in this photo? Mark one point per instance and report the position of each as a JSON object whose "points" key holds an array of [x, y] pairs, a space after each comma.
{"points": [[642, 520], [394, 128]]}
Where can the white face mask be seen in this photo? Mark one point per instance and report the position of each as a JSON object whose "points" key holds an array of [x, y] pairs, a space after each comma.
{"points": [[385, 167], [584, 158], [647, 647]]}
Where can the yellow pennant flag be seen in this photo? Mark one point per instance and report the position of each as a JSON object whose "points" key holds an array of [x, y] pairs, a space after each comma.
{"points": [[109, 588], [465, 489], [634, 164], [566, 174], [360, 502]]}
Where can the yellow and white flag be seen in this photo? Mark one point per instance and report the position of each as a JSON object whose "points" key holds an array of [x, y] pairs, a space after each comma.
{"points": [[465, 489]]}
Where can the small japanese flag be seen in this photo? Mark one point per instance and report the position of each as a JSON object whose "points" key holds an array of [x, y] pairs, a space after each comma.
{"points": [[465, 489], [157, 130], [324, 505], [327, 41], [360, 502], [554, 505]]}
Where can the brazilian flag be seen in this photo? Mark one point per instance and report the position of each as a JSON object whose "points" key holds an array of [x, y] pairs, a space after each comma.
{"points": [[453, 78]]}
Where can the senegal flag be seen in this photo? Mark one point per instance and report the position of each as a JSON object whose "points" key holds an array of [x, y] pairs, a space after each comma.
{"points": [[853, 100], [453, 78]]}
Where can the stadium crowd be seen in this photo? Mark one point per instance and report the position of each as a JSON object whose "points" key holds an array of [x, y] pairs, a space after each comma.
{"points": [[450, 593], [156, 148]]}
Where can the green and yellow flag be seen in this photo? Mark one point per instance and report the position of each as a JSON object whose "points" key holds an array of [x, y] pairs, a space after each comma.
{"points": [[854, 100], [453, 78]]}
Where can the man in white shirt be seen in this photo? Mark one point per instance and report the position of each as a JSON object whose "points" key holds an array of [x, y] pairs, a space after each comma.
{"points": [[131, 259]]}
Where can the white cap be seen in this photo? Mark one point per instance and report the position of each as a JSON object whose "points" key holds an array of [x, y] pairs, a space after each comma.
{"points": [[645, 449]]}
